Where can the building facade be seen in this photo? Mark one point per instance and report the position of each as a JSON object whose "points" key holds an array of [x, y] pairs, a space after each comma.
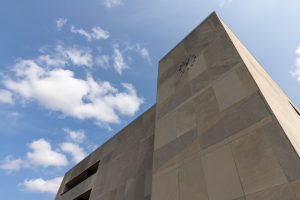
{"points": [[221, 129]]}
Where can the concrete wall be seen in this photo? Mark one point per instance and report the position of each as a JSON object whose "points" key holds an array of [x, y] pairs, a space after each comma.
{"points": [[216, 137], [221, 130], [125, 167]]}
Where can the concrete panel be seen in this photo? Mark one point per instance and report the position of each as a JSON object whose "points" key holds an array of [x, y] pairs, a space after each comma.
{"points": [[239, 117], [257, 166], [165, 91], [185, 118], [296, 188], [165, 130], [144, 157], [178, 53], [165, 65], [283, 150], [282, 192], [179, 97], [198, 67], [171, 154], [207, 110], [246, 79], [206, 78], [191, 179], [229, 90], [165, 187], [201, 37], [221, 175], [221, 52]]}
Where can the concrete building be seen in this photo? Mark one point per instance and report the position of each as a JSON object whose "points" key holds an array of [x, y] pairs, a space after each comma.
{"points": [[221, 129]]}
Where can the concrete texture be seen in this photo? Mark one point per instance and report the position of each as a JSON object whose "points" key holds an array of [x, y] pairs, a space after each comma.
{"points": [[221, 129], [125, 168]]}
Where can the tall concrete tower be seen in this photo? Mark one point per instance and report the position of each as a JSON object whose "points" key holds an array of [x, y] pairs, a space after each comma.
{"points": [[224, 129], [221, 129]]}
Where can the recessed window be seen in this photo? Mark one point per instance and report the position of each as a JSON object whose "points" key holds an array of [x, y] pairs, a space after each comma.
{"points": [[84, 196], [81, 177], [297, 111]]}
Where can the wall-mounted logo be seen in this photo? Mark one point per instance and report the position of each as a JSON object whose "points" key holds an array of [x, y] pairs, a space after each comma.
{"points": [[187, 64]]}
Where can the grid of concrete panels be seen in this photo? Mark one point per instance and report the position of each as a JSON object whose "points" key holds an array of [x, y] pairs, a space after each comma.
{"points": [[218, 132], [125, 167], [282, 107], [216, 137]]}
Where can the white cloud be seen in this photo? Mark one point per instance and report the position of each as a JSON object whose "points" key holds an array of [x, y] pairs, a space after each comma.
{"points": [[97, 33], [79, 57], [62, 56], [112, 3], [10, 164], [75, 150], [298, 50], [296, 71], [53, 60], [119, 62], [76, 136], [60, 23], [41, 154], [6, 97], [60, 90], [143, 52], [81, 32], [42, 185], [102, 61], [138, 48], [129, 99], [224, 2]]}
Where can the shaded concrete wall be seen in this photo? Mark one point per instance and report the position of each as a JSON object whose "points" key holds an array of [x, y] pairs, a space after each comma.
{"points": [[221, 130], [286, 141], [125, 167], [216, 137]]}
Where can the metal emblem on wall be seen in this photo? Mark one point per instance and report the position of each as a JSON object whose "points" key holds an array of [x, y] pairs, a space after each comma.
{"points": [[187, 64]]}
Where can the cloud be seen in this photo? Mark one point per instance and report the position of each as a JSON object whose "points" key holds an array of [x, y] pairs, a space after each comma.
{"points": [[119, 62], [97, 33], [143, 52], [296, 71], [6, 97], [54, 60], [129, 99], [102, 61], [79, 57], [62, 56], [136, 48], [60, 23], [42, 185], [75, 136], [41, 154], [224, 2], [59, 90], [112, 3], [75, 150], [10, 164]]}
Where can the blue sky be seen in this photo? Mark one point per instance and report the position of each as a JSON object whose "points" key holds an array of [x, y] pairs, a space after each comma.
{"points": [[74, 72]]}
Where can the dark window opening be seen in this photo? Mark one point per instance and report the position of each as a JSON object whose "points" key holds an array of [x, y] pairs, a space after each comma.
{"points": [[84, 196], [297, 111], [81, 177]]}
